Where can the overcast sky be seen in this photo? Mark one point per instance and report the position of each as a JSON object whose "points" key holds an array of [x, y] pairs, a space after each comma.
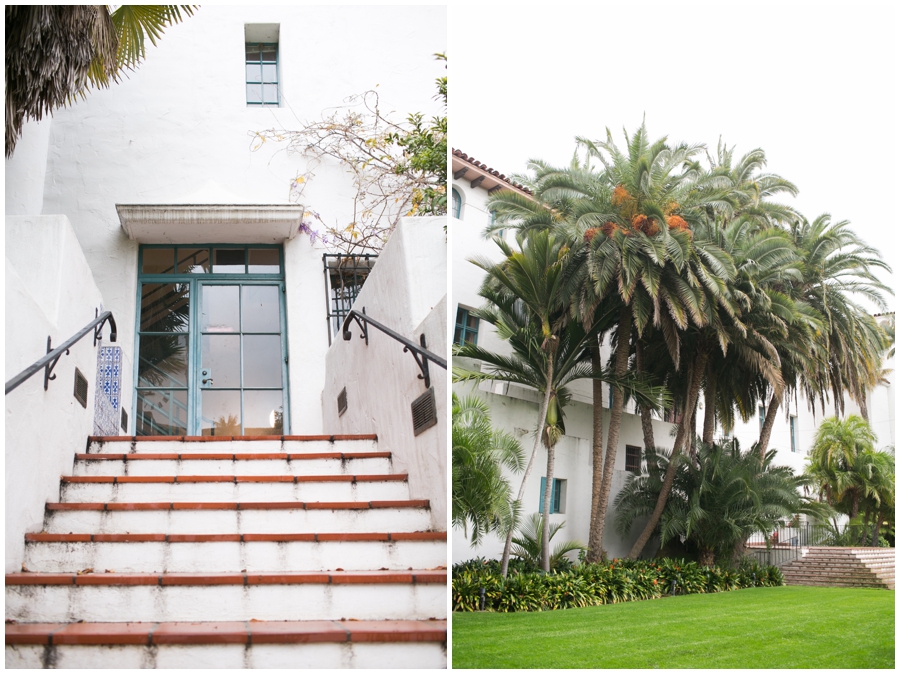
{"points": [[812, 85]]}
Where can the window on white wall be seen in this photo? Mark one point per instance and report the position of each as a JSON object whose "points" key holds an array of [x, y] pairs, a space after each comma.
{"points": [[794, 434], [557, 496], [261, 64], [457, 204], [762, 417], [633, 459]]}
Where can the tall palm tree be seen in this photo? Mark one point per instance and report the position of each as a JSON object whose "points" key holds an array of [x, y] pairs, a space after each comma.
{"points": [[56, 52], [482, 496], [527, 295]]}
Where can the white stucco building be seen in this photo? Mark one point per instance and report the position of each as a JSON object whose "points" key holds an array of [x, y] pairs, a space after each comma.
{"points": [[514, 408], [150, 200]]}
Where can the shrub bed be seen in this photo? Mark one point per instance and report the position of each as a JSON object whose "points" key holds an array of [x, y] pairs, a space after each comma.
{"points": [[593, 584]]}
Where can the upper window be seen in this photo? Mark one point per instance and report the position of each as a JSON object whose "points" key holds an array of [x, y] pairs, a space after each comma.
{"points": [[261, 63], [762, 417], [457, 204], [262, 73], [466, 328]]}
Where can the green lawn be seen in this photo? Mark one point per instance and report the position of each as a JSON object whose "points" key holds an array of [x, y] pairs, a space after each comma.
{"points": [[773, 627]]}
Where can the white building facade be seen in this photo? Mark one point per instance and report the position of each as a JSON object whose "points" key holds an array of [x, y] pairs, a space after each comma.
{"points": [[155, 200]]}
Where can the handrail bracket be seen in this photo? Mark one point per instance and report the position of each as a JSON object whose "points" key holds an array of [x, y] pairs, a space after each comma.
{"points": [[421, 361], [48, 368]]}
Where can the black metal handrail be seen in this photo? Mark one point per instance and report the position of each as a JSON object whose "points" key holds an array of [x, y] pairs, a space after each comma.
{"points": [[48, 362], [419, 352]]}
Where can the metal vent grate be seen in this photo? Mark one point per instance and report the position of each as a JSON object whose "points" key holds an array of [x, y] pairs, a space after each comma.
{"points": [[81, 388], [424, 412], [342, 401], [124, 421]]}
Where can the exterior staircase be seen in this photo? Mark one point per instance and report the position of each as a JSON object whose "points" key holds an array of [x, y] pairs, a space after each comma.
{"points": [[231, 553], [843, 567]]}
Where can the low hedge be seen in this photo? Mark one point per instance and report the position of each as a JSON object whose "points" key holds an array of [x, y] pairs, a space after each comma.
{"points": [[594, 584]]}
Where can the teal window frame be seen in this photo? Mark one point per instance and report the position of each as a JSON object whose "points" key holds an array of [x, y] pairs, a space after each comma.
{"points": [[762, 417], [194, 335], [555, 496], [793, 434], [260, 48], [463, 329], [457, 204]]}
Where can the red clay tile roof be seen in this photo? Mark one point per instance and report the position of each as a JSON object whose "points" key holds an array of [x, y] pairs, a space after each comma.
{"points": [[498, 177]]}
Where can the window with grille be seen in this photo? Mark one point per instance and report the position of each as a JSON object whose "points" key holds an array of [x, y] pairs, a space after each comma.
{"points": [[633, 459], [345, 276], [466, 328]]}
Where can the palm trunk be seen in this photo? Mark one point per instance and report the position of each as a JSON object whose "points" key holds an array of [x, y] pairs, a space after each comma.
{"points": [[769, 423], [709, 412], [595, 548], [548, 490], [680, 438], [504, 563], [623, 351], [646, 419], [863, 407], [876, 525]]}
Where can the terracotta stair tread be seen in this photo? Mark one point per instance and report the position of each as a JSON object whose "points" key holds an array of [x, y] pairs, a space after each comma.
{"points": [[236, 538], [292, 578], [192, 479], [229, 438], [231, 456], [248, 633], [243, 505]]}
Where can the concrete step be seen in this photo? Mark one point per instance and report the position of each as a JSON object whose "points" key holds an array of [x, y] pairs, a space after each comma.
{"points": [[102, 489], [286, 444], [272, 463], [252, 553], [370, 644], [115, 597], [237, 518]]}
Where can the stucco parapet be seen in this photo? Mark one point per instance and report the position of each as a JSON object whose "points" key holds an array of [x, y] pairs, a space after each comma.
{"points": [[210, 223]]}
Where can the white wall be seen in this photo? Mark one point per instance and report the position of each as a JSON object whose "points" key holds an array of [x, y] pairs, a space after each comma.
{"points": [[406, 292], [49, 291], [178, 131], [26, 169]]}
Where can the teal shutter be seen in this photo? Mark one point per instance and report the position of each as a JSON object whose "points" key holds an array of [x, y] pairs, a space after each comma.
{"points": [[543, 487], [555, 497]]}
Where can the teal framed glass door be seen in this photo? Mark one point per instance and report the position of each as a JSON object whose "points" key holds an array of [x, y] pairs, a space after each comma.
{"points": [[211, 342]]}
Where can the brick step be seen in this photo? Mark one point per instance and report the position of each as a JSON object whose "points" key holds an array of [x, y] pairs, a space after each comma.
{"points": [[270, 463], [868, 578], [237, 518], [223, 645], [253, 553], [114, 597], [267, 443], [97, 489]]}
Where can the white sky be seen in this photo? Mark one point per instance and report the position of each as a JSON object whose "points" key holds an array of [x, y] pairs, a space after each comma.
{"points": [[812, 84]]}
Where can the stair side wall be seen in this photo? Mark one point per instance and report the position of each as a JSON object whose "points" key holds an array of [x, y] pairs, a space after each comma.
{"points": [[49, 291], [407, 292]]}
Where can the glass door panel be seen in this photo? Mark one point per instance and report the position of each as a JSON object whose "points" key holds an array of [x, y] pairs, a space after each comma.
{"points": [[241, 368], [210, 344]]}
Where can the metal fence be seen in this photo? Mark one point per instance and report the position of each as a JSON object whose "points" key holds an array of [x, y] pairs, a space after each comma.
{"points": [[785, 544]]}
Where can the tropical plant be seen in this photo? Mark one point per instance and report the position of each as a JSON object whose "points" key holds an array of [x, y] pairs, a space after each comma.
{"points": [[481, 495], [56, 52], [528, 545], [717, 501], [851, 475]]}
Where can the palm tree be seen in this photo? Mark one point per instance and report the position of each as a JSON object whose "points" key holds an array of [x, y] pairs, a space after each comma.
{"points": [[716, 501], [528, 545], [482, 497], [844, 464], [527, 294], [56, 52]]}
